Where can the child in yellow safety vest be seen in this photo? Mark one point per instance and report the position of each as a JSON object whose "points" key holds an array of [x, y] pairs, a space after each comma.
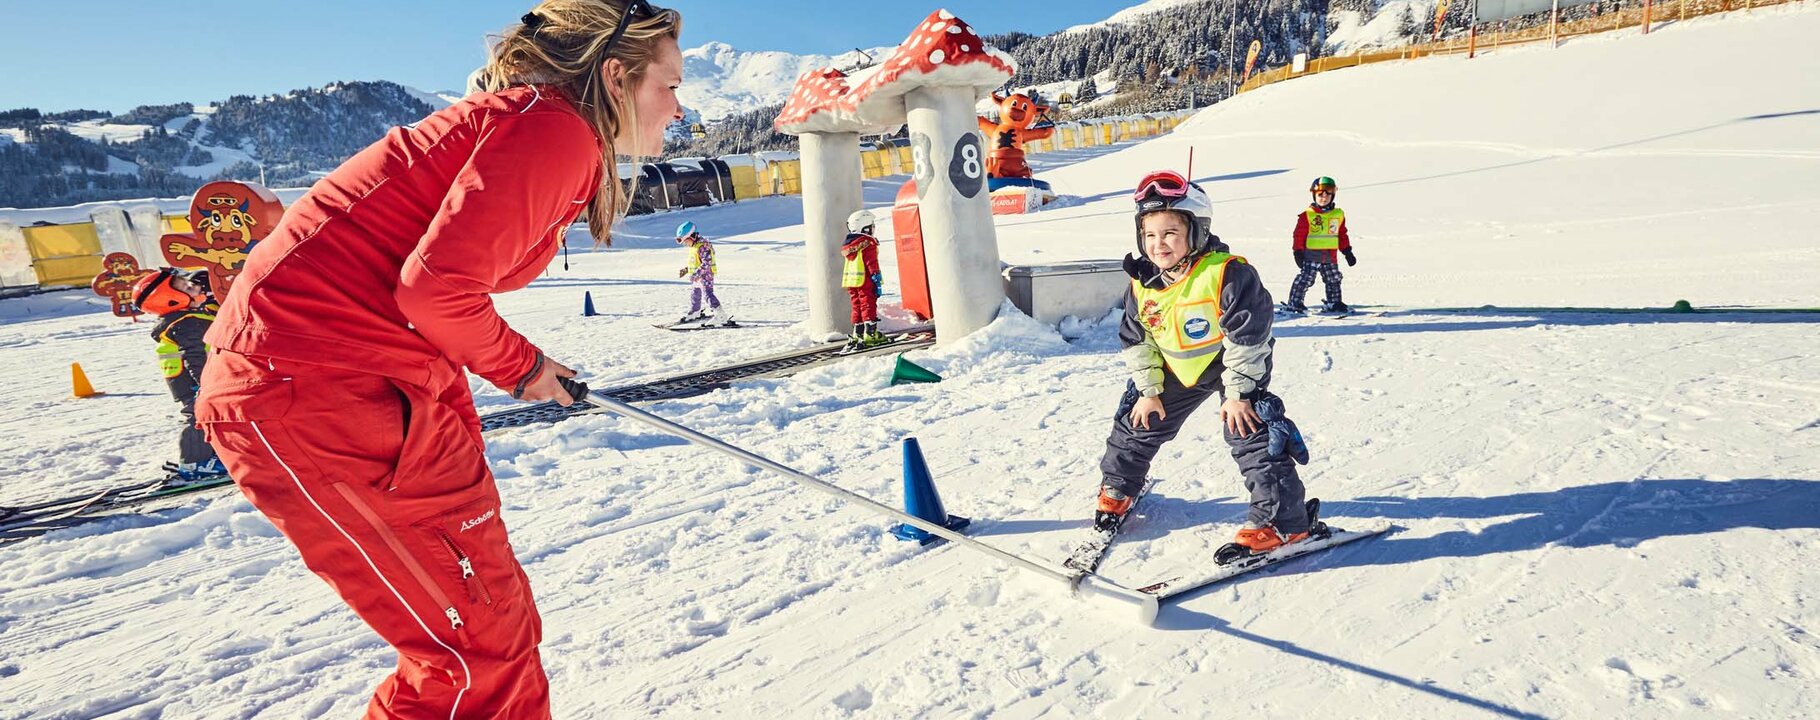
{"points": [[186, 310], [1197, 326], [861, 276], [700, 273], [1320, 231]]}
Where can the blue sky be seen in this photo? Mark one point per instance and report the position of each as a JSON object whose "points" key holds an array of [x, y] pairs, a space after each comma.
{"points": [[116, 54]]}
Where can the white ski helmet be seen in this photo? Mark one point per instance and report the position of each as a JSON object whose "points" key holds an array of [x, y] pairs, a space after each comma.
{"points": [[1168, 190], [860, 220]]}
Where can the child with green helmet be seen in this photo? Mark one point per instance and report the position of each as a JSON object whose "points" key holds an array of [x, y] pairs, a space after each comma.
{"points": [[1320, 233]]}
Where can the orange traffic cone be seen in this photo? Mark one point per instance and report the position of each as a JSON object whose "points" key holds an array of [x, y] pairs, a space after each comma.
{"points": [[79, 382]]}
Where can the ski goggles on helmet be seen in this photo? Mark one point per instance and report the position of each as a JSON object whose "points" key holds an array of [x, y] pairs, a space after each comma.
{"points": [[1160, 189]]}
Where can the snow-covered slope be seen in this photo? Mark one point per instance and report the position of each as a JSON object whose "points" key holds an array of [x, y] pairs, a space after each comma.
{"points": [[1600, 515]]}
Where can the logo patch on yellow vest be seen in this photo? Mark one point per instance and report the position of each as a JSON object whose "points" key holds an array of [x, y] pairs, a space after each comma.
{"points": [[1197, 327]]}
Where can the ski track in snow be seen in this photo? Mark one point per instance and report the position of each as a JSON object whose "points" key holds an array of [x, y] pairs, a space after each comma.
{"points": [[1596, 514]]}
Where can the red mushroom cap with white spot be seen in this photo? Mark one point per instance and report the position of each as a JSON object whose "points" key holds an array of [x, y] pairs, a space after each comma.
{"points": [[943, 51], [815, 105]]}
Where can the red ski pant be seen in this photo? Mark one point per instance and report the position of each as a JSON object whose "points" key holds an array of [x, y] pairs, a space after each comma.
{"points": [[865, 303], [383, 487]]}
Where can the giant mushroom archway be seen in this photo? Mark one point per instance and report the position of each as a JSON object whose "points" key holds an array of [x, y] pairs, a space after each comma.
{"points": [[932, 82]]}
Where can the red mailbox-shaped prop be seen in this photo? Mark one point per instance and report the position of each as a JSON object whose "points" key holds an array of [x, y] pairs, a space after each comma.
{"points": [[912, 271]]}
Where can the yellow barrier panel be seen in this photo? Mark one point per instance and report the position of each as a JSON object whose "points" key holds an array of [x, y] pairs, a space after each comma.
{"points": [[788, 177], [872, 164], [179, 224], [59, 241], [1106, 134], [745, 182], [67, 272], [64, 254]]}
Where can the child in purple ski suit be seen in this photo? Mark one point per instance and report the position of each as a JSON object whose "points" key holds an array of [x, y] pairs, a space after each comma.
{"points": [[699, 271]]}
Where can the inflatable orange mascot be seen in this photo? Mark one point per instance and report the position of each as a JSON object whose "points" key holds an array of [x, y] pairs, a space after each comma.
{"points": [[1021, 119]]}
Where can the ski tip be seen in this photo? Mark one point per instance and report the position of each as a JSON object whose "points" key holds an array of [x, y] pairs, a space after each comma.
{"points": [[1140, 607], [1372, 528]]}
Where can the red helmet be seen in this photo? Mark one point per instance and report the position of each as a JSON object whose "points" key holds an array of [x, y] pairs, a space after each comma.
{"points": [[154, 293]]}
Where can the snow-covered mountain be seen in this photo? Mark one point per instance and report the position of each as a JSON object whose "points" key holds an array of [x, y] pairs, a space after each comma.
{"points": [[721, 80], [1129, 14]]}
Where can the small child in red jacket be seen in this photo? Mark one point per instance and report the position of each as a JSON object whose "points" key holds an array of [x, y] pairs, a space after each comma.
{"points": [[861, 276], [1320, 231]]}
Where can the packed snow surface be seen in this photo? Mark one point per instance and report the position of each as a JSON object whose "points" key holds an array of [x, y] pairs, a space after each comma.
{"points": [[1597, 514]]}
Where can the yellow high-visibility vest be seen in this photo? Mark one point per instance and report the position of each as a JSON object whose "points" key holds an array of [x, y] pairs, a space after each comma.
{"points": [[853, 271], [1183, 319], [1324, 228], [170, 357], [695, 259]]}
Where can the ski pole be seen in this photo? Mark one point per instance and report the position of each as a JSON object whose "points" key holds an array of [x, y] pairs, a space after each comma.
{"points": [[1089, 585]]}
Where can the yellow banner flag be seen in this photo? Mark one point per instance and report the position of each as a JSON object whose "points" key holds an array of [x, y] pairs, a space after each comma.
{"points": [[1440, 17], [1251, 58]]}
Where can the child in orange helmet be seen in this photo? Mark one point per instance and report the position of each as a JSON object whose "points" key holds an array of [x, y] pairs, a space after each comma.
{"points": [[186, 310]]}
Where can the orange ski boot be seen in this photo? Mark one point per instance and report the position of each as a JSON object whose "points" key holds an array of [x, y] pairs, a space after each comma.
{"points": [[1110, 511]]}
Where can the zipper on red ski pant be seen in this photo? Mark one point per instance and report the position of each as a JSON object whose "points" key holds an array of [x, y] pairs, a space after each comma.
{"points": [[410, 562], [477, 590]]}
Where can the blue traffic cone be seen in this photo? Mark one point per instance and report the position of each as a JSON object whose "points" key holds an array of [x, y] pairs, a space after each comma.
{"points": [[587, 304], [921, 500]]}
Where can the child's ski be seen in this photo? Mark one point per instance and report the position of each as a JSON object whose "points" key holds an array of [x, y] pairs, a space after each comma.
{"points": [[852, 347], [707, 323], [1087, 555], [719, 323], [1179, 585], [74, 508]]}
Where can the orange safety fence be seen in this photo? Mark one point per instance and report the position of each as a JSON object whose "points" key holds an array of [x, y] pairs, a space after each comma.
{"points": [[1493, 35]]}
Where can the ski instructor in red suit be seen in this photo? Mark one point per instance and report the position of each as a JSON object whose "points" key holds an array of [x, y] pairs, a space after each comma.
{"points": [[336, 395]]}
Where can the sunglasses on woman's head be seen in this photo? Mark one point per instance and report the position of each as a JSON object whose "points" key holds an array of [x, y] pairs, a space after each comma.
{"points": [[625, 16]]}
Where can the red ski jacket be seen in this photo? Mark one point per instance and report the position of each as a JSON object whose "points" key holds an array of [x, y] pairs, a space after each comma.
{"points": [[386, 265]]}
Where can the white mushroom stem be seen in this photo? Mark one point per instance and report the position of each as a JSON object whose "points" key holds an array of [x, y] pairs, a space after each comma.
{"points": [[832, 185], [960, 244]]}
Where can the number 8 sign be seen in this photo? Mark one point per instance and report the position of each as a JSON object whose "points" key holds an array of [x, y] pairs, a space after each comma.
{"points": [[967, 169]]}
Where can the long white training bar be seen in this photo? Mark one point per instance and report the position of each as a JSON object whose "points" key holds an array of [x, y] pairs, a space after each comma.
{"points": [[1088, 586]]}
